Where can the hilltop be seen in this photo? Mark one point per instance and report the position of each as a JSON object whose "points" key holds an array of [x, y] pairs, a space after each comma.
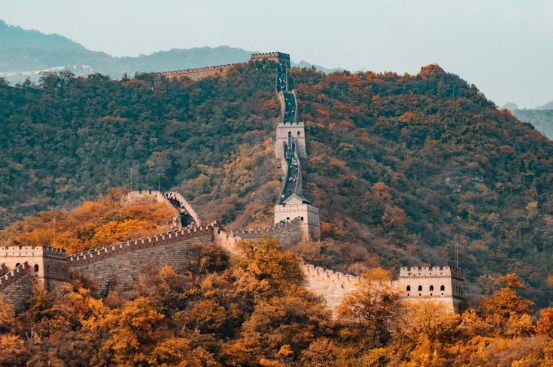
{"points": [[15, 37], [401, 169], [25, 53]]}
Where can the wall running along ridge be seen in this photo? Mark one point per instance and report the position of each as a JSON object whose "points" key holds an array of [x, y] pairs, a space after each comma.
{"points": [[118, 266], [158, 197]]}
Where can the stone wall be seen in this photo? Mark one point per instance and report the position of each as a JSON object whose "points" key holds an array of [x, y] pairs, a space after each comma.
{"points": [[330, 284], [17, 286], [119, 266], [158, 197], [278, 57], [44, 262], [196, 74]]}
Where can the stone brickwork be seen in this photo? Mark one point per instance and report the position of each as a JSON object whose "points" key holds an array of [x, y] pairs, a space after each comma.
{"points": [[294, 131], [330, 284], [46, 263], [288, 234], [444, 284], [122, 267], [158, 197], [278, 57], [17, 286]]}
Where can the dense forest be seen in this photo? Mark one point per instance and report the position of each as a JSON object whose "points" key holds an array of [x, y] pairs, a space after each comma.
{"points": [[405, 168], [94, 224], [542, 119], [252, 310]]}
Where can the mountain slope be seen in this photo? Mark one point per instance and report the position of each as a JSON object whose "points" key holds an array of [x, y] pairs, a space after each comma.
{"points": [[402, 170], [13, 36], [541, 119]]}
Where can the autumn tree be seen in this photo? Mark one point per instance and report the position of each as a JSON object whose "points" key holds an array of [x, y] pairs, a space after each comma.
{"points": [[371, 306]]}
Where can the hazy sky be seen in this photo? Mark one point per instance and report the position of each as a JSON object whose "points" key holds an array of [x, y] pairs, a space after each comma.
{"points": [[504, 47]]}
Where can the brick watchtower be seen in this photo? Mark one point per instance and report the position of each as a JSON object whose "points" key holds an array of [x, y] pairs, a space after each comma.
{"points": [[48, 265], [444, 284]]}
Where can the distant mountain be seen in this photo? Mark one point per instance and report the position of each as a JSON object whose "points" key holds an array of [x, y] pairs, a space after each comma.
{"points": [[26, 53], [510, 106], [542, 119], [13, 36], [547, 106]]}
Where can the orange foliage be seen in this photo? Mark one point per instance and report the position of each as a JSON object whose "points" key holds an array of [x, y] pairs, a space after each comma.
{"points": [[91, 225]]}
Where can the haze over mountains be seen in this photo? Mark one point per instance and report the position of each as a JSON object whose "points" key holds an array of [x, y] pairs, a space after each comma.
{"points": [[24, 53]]}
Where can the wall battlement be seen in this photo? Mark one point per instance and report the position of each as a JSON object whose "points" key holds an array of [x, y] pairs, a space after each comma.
{"points": [[298, 124], [158, 196], [278, 57], [14, 275], [331, 276], [272, 230], [196, 74], [430, 272], [94, 255]]}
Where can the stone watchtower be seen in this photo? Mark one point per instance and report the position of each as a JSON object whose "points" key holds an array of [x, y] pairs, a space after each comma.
{"points": [[444, 284], [290, 134], [296, 206], [48, 265], [278, 57]]}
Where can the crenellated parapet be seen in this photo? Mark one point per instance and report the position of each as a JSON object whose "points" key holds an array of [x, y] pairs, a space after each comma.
{"points": [[182, 201], [287, 233], [431, 272], [197, 73], [14, 275], [158, 197], [103, 253], [330, 276], [278, 57], [272, 231]]}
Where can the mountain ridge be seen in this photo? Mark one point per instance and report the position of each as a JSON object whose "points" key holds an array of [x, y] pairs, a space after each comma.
{"points": [[400, 168]]}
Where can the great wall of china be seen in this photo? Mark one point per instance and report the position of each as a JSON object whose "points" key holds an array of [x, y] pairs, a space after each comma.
{"points": [[118, 266]]}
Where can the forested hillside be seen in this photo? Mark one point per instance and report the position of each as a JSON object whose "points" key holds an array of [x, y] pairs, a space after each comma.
{"points": [[402, 168], [541, 119]]}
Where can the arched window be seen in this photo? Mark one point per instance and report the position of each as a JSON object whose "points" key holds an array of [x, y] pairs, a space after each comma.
{"points": [[36, 268], [16, 265], [420, 288], [289, 133], [298, 133], [301, 219], [408, 288], [442, 288], [431, 288]]}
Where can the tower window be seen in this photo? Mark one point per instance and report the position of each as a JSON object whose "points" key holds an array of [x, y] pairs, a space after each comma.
{"points": [[442, 288], [420, 288], [298, 133], [36, 268], [408, 288], [289, 133], [431, 287]]}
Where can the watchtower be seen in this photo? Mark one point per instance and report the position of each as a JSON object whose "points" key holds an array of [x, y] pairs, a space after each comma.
{"points": [[297, 206], [444, 284], [290, 134], [48, 264], [278, 57]]}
